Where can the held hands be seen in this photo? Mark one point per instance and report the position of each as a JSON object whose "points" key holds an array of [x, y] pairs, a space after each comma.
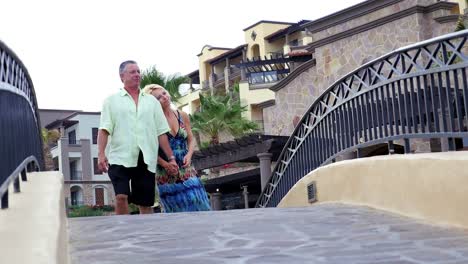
{"points": [[103, 163], [172, 168]]}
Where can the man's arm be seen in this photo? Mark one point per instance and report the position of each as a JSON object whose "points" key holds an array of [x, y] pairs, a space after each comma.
{"points": [[103, 163]]}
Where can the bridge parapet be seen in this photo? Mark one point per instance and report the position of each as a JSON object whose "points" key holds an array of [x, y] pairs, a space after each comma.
{"points": [[20, 129], [416, 92]]}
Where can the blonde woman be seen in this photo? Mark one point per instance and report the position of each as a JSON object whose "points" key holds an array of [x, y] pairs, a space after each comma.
{"points": [[180, 190]]}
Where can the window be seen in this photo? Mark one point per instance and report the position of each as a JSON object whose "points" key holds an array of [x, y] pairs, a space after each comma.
{"points": [[95, 166], [294, 43], [95, 132], [72, 137]]}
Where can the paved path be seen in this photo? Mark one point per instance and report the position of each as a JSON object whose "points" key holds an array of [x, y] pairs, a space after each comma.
{"points": [[320, 234]]}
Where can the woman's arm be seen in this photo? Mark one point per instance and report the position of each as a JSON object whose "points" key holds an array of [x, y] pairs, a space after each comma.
{"points": [[190, 141]]}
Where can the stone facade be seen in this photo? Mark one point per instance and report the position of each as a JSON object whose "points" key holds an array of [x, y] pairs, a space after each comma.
{"points": [[87, 192], [336, 59]]}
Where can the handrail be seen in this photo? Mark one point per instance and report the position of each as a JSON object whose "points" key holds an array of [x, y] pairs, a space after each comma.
{"points": [[418, 91], [25, 166]]}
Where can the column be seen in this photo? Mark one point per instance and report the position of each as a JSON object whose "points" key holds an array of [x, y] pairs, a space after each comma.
{"points": [[244, 59], [212, 80], [245, 193], [216, 201], [226, 76], [265, 168]]}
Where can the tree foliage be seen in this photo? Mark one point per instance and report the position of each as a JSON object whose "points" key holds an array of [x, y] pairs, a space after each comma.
{"points": [[219, 114], [170, 82]]}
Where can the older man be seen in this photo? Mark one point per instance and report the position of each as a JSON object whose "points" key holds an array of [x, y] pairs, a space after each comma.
{"points": [[136, 125]]}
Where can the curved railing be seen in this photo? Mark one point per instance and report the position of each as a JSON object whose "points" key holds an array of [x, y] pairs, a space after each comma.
{"points": [[20, 129], [419, 91]]}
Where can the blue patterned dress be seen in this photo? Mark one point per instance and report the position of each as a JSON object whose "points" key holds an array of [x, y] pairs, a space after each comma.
{"points": [[183, 192]]}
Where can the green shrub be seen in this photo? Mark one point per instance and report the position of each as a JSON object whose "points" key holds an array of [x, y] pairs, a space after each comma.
{"points": [[84, 211]]}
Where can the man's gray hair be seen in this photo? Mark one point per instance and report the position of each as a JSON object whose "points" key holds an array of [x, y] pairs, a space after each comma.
{"points": [[124, 64]]}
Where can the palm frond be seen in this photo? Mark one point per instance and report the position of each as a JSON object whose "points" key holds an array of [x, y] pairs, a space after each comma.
{"points": [[152, 76], [221, 113]]}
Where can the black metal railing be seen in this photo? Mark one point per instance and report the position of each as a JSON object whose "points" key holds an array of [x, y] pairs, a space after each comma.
{"points": [[416, 92], [76, 175], [266, 70], [20, 130], [74, 141]]}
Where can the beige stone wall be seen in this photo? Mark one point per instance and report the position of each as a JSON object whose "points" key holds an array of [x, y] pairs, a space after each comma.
{"points": [[34, 227], [88, 192], [433, 187], [339, 58], [400, 6]]}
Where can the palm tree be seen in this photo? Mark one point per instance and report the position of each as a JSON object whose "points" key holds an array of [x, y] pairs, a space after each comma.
{"points": [[170, 82], [49, 137], [218, 114]]}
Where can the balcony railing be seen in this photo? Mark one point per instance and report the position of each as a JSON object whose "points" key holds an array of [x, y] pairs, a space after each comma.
{"points": [[76, 175], [260, 126], [72, 141], [266, 70]]}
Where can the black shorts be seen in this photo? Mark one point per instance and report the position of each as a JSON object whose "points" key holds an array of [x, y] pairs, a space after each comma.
{"points": [[142, 182]]}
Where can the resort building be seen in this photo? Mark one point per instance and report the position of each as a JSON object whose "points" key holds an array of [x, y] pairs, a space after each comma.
{"points": [[75, 155], [282, 68]]}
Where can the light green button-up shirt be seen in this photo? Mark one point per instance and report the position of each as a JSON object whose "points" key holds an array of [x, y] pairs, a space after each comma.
{"points": [[133, 128]]}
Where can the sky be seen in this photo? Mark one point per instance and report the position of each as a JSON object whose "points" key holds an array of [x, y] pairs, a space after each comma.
{"points": [[72, 49]]}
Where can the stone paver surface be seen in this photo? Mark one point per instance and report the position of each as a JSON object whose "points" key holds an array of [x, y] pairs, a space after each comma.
{"points": [[329, 233]]}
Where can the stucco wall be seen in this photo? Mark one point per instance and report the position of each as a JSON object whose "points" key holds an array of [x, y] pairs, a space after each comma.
{"points": [[336, 59], [431, 186], [34, 227], [262, 30]]}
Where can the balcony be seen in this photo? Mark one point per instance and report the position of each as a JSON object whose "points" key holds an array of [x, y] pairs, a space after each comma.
{"points": [[76, 175], [73, 141], [220, 78], [266, 70], [205, 85], [260, 125]]}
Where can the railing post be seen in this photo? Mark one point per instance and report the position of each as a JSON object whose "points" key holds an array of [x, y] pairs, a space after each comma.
{"points": [[407, 146], [24, 177], [16, 185], [391, 147], [5, 200], [359, 153], [216, 202], [245, 192], [451, 144]]}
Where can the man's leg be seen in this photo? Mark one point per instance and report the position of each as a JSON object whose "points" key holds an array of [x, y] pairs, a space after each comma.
{"points": [[120, 180], [121, 204], [143, 187]]}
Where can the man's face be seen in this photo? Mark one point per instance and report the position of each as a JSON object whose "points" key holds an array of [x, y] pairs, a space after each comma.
{"points": [[131, 76]]}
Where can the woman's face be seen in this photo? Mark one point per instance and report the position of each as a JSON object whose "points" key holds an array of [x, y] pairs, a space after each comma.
{"points": [[163, 96]]}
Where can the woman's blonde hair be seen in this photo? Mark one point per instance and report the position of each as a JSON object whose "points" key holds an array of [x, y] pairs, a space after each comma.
{"points": [[151, 87]]}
